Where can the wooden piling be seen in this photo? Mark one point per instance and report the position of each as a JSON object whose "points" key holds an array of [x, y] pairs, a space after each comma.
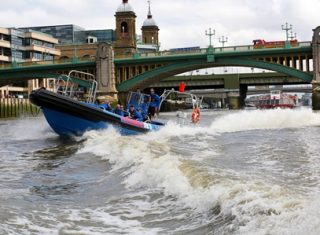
{"points": [[17, 107]]}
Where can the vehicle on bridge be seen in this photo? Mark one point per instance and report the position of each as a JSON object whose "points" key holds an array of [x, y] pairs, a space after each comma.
{"points": [[276, 99], [260, 44], [195, 49], [69, 116]]}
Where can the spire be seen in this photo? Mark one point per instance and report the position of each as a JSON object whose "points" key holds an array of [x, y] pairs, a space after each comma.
{"points": [[149, 21], [149, 13]]}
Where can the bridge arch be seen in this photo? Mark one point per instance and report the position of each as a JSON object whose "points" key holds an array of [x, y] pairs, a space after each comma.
{"points": [[156, 75]]}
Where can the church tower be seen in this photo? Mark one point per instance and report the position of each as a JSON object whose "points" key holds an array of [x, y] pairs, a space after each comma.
{"points": [[150, 30], [125, 29]]}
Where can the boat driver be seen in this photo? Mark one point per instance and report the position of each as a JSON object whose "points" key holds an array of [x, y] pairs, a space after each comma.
{"points": [[154, 104]]}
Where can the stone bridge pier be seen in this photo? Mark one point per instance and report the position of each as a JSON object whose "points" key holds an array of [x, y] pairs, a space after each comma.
{"points": [[236, 93], [105, 73], [236, 99], [316, 69]]}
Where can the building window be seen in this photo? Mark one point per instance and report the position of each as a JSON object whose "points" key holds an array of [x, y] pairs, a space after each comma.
{"points": [[124, 29], [27, 42], [37, 56]]}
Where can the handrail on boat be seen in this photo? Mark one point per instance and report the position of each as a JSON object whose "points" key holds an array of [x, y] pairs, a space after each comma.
{"points": [[69, 85], [194, 99]]}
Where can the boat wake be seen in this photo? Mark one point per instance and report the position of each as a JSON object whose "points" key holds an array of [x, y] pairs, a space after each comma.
{"points": [[227, 175], [28, 129], [266, 120], [231, 201]]}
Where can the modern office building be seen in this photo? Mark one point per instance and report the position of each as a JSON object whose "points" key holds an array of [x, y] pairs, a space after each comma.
{"points": [[64, 33], [26, 46], [94, 36], [18, 45], [74, 40], [73, 34]]}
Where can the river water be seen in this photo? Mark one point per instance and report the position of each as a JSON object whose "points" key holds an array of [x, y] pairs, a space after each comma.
{"points": [[240, 172]]}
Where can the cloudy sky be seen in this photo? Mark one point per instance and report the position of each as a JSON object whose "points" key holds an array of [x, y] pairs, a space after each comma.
{"points": [[182, 23]]}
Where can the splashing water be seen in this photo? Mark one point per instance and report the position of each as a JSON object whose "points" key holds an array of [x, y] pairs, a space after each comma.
{"points": [[243, 172], [150, 163]]}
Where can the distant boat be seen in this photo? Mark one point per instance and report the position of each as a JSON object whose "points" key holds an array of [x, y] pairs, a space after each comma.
{"points": [[276, 99], [305, 100]]}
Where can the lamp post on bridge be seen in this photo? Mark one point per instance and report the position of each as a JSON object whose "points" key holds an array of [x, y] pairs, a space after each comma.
{"points": [[223, 40], [210, 33], [287, 28], [292, 35]]}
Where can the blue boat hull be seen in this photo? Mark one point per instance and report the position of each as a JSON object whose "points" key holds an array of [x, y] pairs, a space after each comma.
{"points": [[68, 117], [65, 124]]}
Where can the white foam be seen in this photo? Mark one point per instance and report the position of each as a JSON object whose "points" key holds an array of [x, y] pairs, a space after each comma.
{"points": [[105, 223], [149, 161], [281, 217], [266, 119], [30, 129], [257, 207]]}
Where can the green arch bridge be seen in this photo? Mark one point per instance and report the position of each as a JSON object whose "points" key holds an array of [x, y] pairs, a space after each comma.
{"points": [[143, 70]]}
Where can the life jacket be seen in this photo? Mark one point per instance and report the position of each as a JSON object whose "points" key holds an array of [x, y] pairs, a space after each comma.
{"points": [[195, 117]]}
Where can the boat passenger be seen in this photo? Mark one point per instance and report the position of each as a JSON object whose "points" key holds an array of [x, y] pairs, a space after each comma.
{"points": [[154, 104], [125, 112], [118, 110], [144, 115], [134, 114], [195, 117], [106, 105]]}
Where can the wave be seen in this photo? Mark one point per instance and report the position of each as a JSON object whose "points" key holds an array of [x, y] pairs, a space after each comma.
{"points": [[243, 204], [28, 129], [265, 120]]}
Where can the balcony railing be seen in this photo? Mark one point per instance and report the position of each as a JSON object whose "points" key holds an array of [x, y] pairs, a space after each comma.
{"points": [[43, 49], [4, 43], [4, 58]]}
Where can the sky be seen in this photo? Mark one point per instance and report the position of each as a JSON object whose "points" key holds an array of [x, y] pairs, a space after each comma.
{"points": [[182, 23]]}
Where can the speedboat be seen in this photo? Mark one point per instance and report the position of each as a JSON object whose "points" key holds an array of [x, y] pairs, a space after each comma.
{"points": [[71, 108]]}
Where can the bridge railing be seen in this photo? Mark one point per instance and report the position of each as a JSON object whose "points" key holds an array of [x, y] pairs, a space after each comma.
{"points": [[190, 51], [166, 53], [305, 44], [47, 62], [234, 48], [201, 51]]}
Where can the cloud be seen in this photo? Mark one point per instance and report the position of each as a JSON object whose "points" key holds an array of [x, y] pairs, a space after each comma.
{"points": [[182, 23]]}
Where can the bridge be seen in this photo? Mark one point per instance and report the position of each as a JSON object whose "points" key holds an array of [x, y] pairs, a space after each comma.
{"points": [[143, 70], [300, 64], [231, 80]]}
